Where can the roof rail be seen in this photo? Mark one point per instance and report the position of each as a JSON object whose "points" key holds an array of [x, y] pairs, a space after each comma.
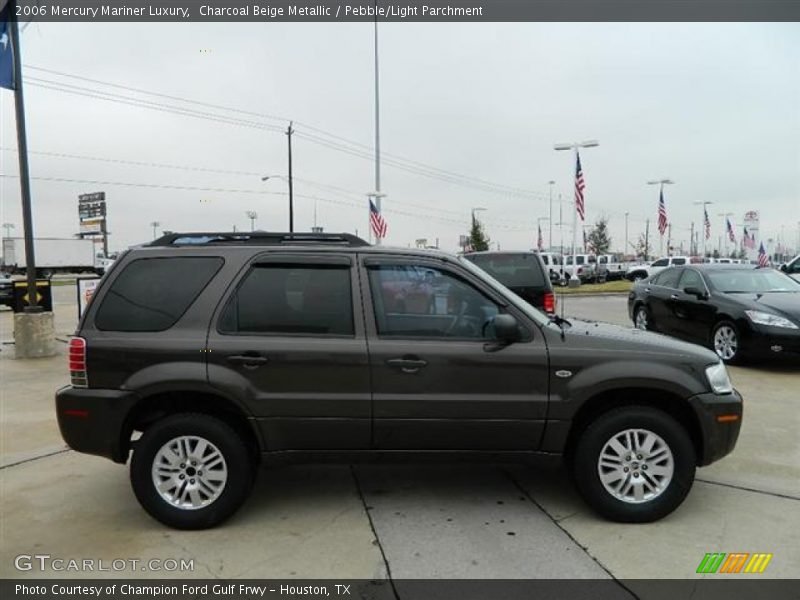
{"points": [[257, 238]]}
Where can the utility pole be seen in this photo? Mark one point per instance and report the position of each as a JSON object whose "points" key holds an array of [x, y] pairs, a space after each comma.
{"points": [[550, 236], [155, 225], [646, 240], [289, 132], [8, 227], [625, 248], [691, 241]]}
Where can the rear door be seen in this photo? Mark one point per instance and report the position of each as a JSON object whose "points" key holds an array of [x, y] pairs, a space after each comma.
{"points": [[693, 317], [662, 290], [289, 340], [437, 384]]}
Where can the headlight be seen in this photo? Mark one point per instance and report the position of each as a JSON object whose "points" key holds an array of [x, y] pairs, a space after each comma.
{"points": [[762, 318], [718, 379]]}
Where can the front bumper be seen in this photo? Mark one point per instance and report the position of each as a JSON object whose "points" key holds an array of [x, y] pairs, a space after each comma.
{"points": [[718, 436], [93, 421], [764, 342]]}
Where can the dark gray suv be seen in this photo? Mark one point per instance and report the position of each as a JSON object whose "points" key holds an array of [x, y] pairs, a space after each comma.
{"points": [[207, 354]]}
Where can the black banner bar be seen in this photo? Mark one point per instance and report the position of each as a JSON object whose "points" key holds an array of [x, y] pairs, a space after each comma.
{"points": [[409, 10]]}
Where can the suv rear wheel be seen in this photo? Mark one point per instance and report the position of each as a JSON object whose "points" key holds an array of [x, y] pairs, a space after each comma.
{"points": [[191, 471], [634, 464]]}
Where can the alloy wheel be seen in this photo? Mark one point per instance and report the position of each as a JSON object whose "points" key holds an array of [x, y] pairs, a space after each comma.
{"points": [[726, 344], [641, 318], [189, 472], [635, 466]]}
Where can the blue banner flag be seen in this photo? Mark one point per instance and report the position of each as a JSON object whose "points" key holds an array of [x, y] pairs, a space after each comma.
{"points": [[6, 51]]}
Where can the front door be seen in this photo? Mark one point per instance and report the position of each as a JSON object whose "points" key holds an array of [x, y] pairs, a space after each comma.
{"points": [[438, 382], [290, 341]]}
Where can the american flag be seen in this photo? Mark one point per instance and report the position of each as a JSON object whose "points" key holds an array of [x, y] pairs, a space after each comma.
{"points": [[749, 241], [376, 221], [729, 227], [662, 214], [580, 184], [763, 259], [707, 223], [539, 240]]}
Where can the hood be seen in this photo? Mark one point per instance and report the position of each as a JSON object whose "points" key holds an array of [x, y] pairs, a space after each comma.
{"points": [[786, 304], [605, 337]]}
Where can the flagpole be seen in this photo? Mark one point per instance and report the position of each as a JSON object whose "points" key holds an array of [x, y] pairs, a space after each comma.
{"points": [[24, 175]]}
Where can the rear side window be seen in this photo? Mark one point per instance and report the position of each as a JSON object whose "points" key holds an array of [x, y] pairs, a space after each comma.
{"points": [[151, 294], [292, 299], [512, 270]]}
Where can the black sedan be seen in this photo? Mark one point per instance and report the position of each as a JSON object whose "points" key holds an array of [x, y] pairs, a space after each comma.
{"points": [[736, 310]]}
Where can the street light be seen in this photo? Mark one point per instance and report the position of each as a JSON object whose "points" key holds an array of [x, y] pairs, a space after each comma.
{"points": [[551, 183], [8, 227], [252, 215], [291, 198], [574, 146], [155, 225]]}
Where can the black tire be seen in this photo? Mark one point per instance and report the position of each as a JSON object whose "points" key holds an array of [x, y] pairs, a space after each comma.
{"points": [[237, 461], [648, 317], [737, 353], [585, 464]]}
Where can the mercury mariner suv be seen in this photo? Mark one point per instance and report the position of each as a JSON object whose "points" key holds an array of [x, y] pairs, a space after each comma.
{"points": [[202, 355]]}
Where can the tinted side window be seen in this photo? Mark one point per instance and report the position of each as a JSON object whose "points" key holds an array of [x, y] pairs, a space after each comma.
{"points": [[292, 299], [419, 301], [151, 294], [691, 278], [663, 262], [678, 261], [512, 270], [668, 278]]}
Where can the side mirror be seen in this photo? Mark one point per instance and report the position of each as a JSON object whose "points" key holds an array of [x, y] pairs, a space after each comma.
{"points": [[694, 291], [506, 329], [785, 268]]}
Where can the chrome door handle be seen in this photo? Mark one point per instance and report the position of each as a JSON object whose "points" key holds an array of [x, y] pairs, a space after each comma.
{"points": [[248, 361], [407, 365], [674, 296]]}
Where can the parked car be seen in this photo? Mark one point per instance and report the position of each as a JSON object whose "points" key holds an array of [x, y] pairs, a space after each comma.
{"points": [[614, 265], [204, 355], [524, 273], [6, 291], [638, 272], [737, 310], [555, 265], [584, 266], [792, 268]]}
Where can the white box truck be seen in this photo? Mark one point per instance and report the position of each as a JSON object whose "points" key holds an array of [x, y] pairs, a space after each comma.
{"points": [[53, 255]]}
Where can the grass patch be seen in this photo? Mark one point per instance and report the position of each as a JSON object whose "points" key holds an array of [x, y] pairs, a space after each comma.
{"points": [[622, 286]]}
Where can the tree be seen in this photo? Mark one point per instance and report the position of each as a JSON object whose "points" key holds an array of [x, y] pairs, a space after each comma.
{"points": [[478, 239], [643, 247], [598, 238]]}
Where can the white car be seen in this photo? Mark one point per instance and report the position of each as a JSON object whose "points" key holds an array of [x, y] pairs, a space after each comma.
{"points": [[644, 271]]}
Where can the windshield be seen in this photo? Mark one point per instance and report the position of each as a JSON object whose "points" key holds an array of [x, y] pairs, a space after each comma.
{"points": [[742, 281], [512, 270], [532, 312]]}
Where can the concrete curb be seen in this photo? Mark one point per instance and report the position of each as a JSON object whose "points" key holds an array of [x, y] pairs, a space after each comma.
{"points": [[591, 294]]}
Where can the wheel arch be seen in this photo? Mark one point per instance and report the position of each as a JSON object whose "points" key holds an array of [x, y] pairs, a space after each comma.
{"points": [[151, 408], [608, 400]]}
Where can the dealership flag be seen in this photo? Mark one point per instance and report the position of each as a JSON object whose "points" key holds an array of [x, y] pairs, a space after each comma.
{"points": [[580, 184], [540, 241], [376, 221], [763, 259], [707, 223], [662, 214], [729, 227], [6, 51], [749, 240]]}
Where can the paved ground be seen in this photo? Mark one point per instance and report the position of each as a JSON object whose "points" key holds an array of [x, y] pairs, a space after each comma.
{"points": [[405, 520]]}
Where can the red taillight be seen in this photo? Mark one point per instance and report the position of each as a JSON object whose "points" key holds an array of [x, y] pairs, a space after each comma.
{"points": [[77, 362], [550, 303]]}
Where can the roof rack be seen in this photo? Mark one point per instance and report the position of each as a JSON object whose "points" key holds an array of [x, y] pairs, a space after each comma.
{"points": [[258, 238]]}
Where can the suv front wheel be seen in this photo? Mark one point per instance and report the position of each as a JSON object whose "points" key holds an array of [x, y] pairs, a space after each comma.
{"points": [[191, 471], [634, 464]]}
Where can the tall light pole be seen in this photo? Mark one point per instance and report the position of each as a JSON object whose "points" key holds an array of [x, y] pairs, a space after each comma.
{"points": [[551, 183], [705, 213], [661, 183], [289, 179], [155, 225], [8, 227], [252, 215], [377, 195], [573, 280], [625, 249]]}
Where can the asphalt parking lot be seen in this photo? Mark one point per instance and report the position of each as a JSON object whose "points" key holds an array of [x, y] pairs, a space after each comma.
{"points": [[403, 521]]}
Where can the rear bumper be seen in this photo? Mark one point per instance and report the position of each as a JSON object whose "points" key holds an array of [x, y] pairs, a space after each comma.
{"points": [[92, 421], [719, 437]]}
